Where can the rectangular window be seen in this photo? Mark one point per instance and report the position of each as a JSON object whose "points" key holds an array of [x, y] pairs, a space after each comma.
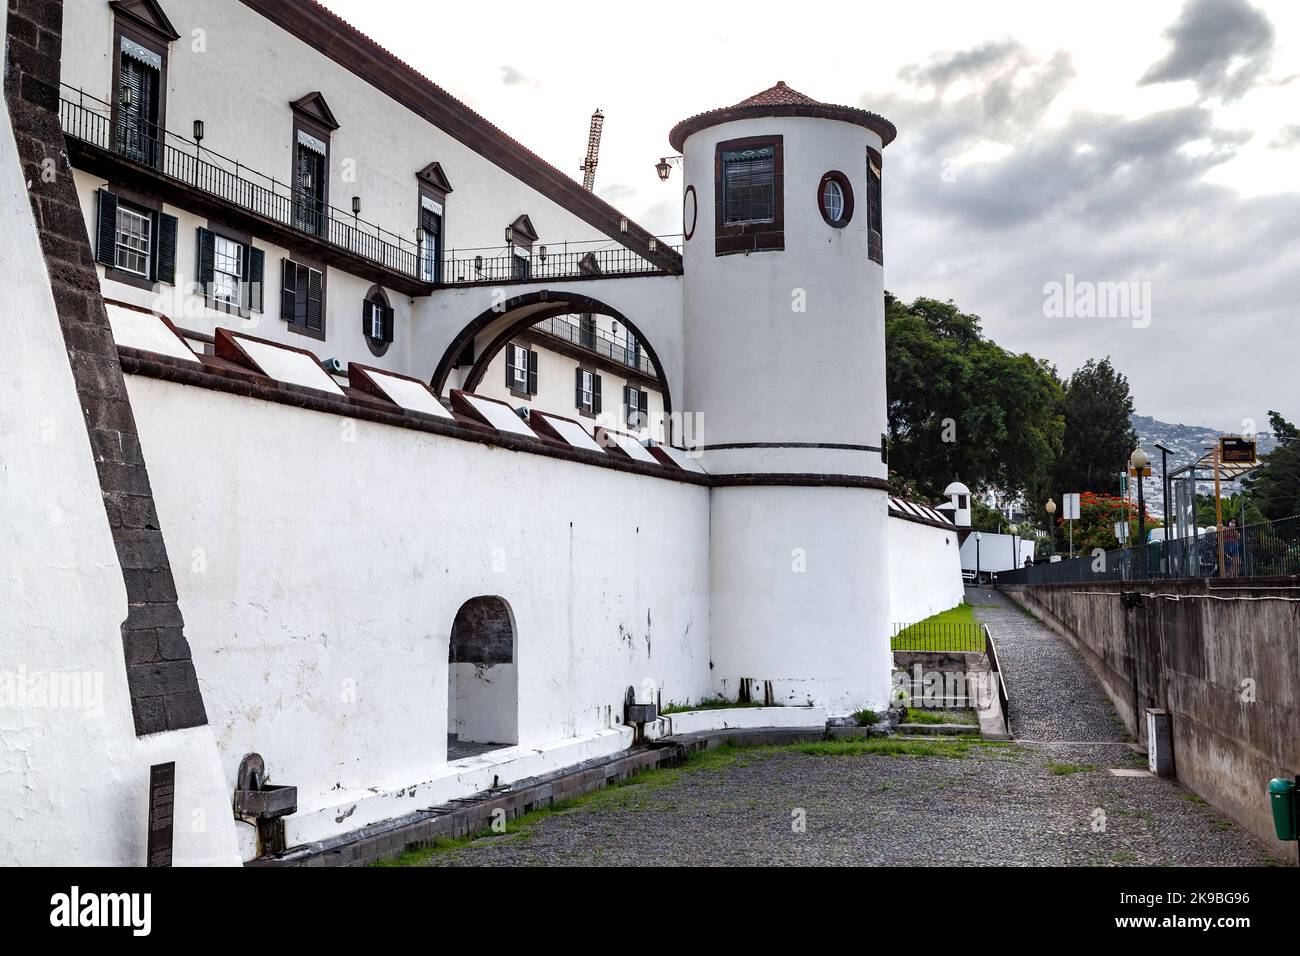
{"points": [[749, 185], [227, 271], [376, 330], [519, 367], [309, 185], [637, 407], [302, 298], [137, 103], [430, 245], [875, 238], [134, 241], [588, 394]]}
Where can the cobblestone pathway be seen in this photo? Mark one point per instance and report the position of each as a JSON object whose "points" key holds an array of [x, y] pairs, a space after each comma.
{"points": [[1049, 798]]}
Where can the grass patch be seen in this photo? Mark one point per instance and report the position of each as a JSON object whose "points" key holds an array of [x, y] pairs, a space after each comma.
{"points": [[711, 703], [931, 716], [955, 629], [1066, 769], [866, 718], [955, 747]]}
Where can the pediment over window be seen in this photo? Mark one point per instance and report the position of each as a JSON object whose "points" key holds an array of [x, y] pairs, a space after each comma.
{"points": [[148, 15], [523, 229], [433, 177], [314, 108]]}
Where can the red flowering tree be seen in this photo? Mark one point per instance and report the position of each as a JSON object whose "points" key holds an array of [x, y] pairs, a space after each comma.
{"points": [[1098, 515]]}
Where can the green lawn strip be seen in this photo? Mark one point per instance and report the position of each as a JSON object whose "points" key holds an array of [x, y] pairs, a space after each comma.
{"points": [[917, 715], [928, 635]]}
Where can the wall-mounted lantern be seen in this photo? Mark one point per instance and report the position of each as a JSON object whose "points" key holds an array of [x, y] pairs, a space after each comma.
{"points": [[663, 169]]}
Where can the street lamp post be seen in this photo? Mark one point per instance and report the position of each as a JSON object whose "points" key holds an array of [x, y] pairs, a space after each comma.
{"points": [[1015, 546], [1164, 485], [1051, 520], [1139, 466]]}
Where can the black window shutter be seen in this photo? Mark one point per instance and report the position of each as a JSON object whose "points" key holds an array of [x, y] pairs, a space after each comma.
{"points": [[578, 393], [388, 323], [165, 263], [288, 290], [366, 329], [595, 394], [207, 252], [315, 293], [644, 408], [106, 248], [532, 372], [627, 403], [510, 365], [256, 269]]}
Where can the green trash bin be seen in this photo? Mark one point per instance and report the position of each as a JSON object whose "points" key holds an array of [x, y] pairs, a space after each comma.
{"points": [[1281, 796]]}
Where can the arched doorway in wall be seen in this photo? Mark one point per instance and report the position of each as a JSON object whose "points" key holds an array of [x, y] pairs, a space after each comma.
{"points": [[482, 680]]}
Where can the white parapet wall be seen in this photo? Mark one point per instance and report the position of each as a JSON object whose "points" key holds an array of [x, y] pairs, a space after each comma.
{"points": [[74, 778], [924, 571], [736, 718], [320, 562]]}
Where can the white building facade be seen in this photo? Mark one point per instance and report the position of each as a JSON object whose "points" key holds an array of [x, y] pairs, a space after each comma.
{"points": [[428, 455]]}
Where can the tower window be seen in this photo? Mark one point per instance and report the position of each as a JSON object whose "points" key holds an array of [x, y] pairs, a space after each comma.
{"points": [[835, 199], [749, 185], [749, 195]]}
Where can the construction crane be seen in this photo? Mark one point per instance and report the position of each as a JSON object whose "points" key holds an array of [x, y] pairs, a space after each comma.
{"points": [[588, 166]]}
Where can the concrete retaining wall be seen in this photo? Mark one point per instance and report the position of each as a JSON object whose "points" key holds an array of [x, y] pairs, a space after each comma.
{"points": [[1224, 660]]}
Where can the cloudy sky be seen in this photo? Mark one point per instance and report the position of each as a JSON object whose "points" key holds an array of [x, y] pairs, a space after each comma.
{"points": [[1115, 141]]}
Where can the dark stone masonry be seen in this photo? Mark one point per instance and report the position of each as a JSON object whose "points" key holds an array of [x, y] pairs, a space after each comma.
{"points": [[164, 687]]}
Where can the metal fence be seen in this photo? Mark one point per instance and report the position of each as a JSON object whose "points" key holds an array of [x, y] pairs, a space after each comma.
{"points": [[599, 341], [1260, 550], [515, 264], [938, 636], [91, 121]]}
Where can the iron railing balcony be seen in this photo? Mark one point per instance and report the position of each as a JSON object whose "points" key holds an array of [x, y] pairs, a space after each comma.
{"points": [[599, 342], [91, 121], [577, 260]]}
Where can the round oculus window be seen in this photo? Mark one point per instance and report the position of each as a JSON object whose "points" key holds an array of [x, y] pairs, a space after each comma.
{"points": [[690, 209], [835, 199]]}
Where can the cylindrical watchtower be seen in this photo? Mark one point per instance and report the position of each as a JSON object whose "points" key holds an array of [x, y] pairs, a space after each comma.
{"points": [[784, 365]]}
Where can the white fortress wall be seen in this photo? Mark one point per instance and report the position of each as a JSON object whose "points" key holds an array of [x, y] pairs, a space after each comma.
{"points": [[327, 652]]}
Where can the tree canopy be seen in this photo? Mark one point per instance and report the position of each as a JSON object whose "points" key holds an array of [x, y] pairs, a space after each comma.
{"points": [[962, 407], [1275, 487]]}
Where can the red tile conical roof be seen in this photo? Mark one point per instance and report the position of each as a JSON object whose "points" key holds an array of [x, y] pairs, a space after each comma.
{"points": [[781, 100]]}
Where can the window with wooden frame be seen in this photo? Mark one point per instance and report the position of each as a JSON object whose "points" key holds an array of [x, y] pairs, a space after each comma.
{"points": [[835, 199], [636, 407], [142, 36], [587, 392], [302, 298], [135, 243], [377, 320], [313, 124], [230, 270], [521, 370], [749, 195], [433, 189], [875, 211]]}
